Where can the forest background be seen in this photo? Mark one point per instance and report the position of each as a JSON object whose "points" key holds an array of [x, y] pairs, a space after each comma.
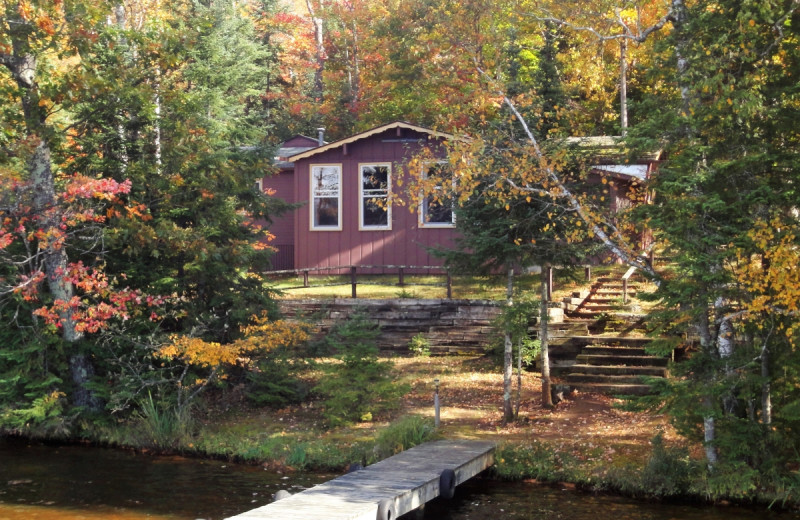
{"points": [[133, 132]]}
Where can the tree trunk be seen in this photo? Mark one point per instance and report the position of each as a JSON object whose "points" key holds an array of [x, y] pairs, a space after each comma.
{"points": [[316, 23], [709, 433], [508, 355], [623, 86], [547, 396], [709, 425], [766, 387], [23, 65], [519, 377], [680, 19], [120, 20], [82, 371]]}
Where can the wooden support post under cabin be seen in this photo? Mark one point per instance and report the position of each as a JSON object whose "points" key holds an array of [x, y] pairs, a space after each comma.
{"points": [[449, 286], [400, 278], [549, 273], [588, 272], [305, 278], [353, 279]]}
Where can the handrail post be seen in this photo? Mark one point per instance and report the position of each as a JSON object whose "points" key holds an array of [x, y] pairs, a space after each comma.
{"points": [[400, 278], [353, 279], [588, 272], [549, 274], [449, 286], [624, 290], [305, 278]]}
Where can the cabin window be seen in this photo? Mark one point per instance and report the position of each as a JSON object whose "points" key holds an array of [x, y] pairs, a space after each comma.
{"points": [[375, 211], [326, 197], [259, 186], [437, 206]]}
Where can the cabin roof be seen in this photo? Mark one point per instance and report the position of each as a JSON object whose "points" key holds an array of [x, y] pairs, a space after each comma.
{"points": [[293, 146], [364, 135]]}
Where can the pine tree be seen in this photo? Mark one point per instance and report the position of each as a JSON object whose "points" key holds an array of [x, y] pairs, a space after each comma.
{"points": [[732, 147]]}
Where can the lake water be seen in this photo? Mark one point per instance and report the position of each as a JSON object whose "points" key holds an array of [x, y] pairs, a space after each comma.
{"points": [[77, 483]]}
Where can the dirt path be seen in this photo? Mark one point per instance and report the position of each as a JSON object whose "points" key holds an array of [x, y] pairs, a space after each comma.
{"points": [[471, 397]]}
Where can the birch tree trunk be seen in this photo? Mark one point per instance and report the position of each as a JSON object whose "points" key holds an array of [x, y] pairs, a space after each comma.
{"points": [[519, 378], [547, 396], [707, 402], [317, 24], [623, 86], [508, 355]]}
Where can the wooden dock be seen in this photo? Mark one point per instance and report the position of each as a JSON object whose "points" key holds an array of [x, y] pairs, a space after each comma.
{"points": [[387, 489]]}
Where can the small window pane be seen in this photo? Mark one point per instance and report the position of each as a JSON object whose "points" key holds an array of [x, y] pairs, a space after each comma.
{"points": [[326, 194], [375, 210], [437, 208], [326, 209]]}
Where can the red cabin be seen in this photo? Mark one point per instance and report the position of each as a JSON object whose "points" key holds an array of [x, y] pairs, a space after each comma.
{"points": [[350, 190]]}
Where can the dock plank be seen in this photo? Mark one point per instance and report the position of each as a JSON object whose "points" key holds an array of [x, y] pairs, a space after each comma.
{"points": [[407, 480]]}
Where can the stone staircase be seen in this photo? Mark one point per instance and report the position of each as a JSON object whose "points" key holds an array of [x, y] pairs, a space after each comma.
{"points": [[611, 358], [616, 367], [603, 297]]}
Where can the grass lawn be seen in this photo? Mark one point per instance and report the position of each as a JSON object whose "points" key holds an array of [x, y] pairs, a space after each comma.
{"points": [[430, 286]]}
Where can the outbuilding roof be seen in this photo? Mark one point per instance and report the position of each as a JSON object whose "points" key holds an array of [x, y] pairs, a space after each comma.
{"points": [[608, 148]]}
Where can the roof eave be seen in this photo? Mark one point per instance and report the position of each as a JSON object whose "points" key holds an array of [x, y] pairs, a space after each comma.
{"points": [[368, 133]]}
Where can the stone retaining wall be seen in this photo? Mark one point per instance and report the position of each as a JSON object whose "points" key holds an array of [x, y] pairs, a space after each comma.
{"points": [[451, 326]]}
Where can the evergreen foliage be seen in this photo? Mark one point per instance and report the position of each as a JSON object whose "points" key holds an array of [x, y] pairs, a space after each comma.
{"points": [[732, 141], [361, 386], [193, 166]]}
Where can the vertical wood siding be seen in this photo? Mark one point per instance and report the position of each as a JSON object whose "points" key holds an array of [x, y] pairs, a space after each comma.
{"points": [[404, 244], [283, 226]]}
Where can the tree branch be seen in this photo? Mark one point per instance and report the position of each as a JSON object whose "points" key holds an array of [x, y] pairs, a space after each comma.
{"points": [[639, 36], [573, 203]]}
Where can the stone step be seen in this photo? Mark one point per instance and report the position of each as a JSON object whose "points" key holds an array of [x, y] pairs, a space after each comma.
{"points": [[600, 299], [607, 340], [566, 329], [574, 378], [619, 370], [590, 306], [613, 389], [590, 359], [615, 350], [584, 314], [613, 293]]}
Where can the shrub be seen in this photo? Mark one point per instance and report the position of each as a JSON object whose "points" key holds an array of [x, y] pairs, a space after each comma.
{"points": [[165, 426], [272, 384], [404, 294], [360, 384], [45, 417], [534, 460], [668, 471], [405, 433], [419, 345]]}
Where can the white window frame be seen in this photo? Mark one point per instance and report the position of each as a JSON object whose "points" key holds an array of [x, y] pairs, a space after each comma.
{"points": [[362, 196], [314, 195], [423, 207]]}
